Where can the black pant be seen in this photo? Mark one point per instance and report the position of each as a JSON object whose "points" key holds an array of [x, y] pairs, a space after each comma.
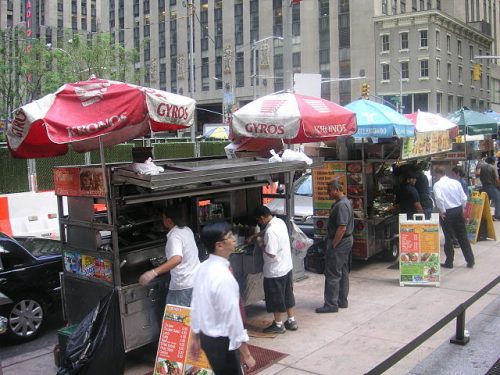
{"points": [[337, 272], [222, 360], [454, 226]]}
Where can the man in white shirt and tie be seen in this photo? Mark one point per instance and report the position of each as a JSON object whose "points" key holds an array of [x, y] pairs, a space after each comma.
{"points": [[450, 198], [215, 313]]}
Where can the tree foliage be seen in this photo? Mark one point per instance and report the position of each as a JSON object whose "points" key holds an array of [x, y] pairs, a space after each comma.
{"points": [[32, 68]]}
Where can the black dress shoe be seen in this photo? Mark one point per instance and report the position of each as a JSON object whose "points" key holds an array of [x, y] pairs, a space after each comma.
{"points": [[444, 265], [470, 265], [343, 305], [326, 309]]}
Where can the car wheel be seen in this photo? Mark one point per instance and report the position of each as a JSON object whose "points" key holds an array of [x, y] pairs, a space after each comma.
{"points": [[26, 319], [392, 253]]}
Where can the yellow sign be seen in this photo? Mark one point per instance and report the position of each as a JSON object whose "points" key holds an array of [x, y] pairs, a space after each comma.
{"points": [[427, 143], [477, 214]]}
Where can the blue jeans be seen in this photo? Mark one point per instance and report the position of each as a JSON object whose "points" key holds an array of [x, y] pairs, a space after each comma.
{"points": [[494, 195], [180, 297]]}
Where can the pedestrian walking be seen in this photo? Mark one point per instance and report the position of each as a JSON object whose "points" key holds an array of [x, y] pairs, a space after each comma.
{"points": [[338, 250], [459, 175], [277, 270], [450, 199], [215, 314], [182, 262], [491, 184]]}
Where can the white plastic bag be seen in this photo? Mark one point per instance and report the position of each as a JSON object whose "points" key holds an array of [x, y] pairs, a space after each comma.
{"points": [[275, 157], [290, 155], [300, 242]]}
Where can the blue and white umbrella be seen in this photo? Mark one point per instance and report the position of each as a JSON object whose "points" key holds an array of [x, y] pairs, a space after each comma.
{"points": [[379, 121]]}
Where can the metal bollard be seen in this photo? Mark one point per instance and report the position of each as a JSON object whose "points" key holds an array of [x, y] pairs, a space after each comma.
{"points": [[461, 334]]}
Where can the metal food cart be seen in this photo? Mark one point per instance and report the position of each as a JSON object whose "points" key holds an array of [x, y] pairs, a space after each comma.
{"points": [[113, 241]]}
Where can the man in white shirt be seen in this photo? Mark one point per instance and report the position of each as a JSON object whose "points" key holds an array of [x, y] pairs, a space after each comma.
{"points": [[450, 198], [215, 313], [278, 279], [182, 258]]}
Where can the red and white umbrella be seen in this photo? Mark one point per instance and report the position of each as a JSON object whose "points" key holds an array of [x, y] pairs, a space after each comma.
{"points": [[94, 113], [427, 122], [294, 118]]}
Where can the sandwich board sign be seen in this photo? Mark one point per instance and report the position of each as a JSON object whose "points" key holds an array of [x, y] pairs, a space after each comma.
{"points": [[419, 250], [478, 217]]}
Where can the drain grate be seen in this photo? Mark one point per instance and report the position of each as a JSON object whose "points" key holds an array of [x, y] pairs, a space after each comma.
{"points": [[264, 357], [495, 369]]}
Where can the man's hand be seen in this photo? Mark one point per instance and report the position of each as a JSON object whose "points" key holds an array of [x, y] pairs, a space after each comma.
{"points": [[246, 358], [195, 347], [147, 277], [442, 215]]}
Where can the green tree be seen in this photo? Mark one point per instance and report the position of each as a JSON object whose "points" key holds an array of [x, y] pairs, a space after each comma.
{"points": [[31, 68]]}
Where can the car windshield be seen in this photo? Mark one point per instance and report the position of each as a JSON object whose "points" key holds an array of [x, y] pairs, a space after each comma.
{"points": [[39, 247], [303, 186]]}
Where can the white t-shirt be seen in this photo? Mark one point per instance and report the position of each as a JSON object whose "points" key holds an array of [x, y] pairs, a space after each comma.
{"points": [[180, 241], [277, 243]]}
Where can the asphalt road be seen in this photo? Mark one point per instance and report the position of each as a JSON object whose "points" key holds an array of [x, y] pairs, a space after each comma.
{"points": [[48, 339]]}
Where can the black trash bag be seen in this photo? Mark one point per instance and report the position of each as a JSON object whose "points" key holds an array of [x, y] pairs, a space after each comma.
{"points": [[96, 345], [315, 257]]}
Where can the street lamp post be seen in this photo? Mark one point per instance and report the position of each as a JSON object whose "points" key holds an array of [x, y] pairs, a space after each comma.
{"points": [[254, 68], [400, 104]]}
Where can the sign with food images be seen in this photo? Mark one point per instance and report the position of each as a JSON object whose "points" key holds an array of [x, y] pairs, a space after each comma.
{"points": [[426, 143], [419, 251], [172, 356], [478, 219]]}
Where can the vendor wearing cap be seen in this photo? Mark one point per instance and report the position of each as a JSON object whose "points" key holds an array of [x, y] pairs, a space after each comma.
{"points": [[408, 199]]}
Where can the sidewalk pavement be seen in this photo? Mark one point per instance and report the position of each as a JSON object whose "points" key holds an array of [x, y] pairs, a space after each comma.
{"points": [[382, 317]]}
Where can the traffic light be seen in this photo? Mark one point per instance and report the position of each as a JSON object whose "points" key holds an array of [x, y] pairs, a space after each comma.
{"points": [[476, 73], [365, 90]]}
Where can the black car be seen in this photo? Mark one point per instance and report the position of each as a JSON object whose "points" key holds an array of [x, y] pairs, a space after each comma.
{"points": [[29, 283]]}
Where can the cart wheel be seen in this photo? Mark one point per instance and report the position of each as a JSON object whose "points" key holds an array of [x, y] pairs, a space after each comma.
{"points": [[392, 253]]}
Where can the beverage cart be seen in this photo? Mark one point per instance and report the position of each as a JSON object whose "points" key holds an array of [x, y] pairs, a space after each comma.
{"points": [[111, 240]]}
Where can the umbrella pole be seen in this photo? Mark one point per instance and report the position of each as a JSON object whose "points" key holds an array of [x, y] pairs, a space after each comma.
{"points": [[106, 180]]}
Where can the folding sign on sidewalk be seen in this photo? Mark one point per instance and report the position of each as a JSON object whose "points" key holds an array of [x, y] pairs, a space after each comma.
{"points": [[478, 219], [419, 250], [173, 355]]}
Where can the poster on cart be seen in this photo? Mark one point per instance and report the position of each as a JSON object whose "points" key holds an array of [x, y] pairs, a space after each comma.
{"points": [[321, 200], [419, 251], [172, 356], [478, 221]]}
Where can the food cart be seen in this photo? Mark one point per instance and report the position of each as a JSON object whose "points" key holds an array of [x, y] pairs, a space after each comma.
{"points": [[370, 185], [112, 241]]}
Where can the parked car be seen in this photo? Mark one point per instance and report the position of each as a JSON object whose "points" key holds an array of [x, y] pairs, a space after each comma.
{"points": [[29, 284], [303, 201]]}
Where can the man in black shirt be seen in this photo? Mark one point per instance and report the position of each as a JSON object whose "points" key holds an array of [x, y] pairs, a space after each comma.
{"points": [[407, 199]]}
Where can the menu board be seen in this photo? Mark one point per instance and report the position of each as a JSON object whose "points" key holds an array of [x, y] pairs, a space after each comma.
{"points": [[79, 182], [478, 217], [426, 143], [419, 262], [173, 355]]}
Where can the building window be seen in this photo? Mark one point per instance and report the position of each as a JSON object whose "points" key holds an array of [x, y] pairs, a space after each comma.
{"points": [[424, 68], [439, 102], [402, 6], [471, 52], [404, 40], [423, 38], [296, 60], [449, 72], [385, 42], [239, 69], [450, 103], [384, 7], [438, 41], [386, 75], [460, 75], [405, 70], [460, 101], [438, 69], [414, 5], [205, 76], [448, 43], [459, 48]]}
